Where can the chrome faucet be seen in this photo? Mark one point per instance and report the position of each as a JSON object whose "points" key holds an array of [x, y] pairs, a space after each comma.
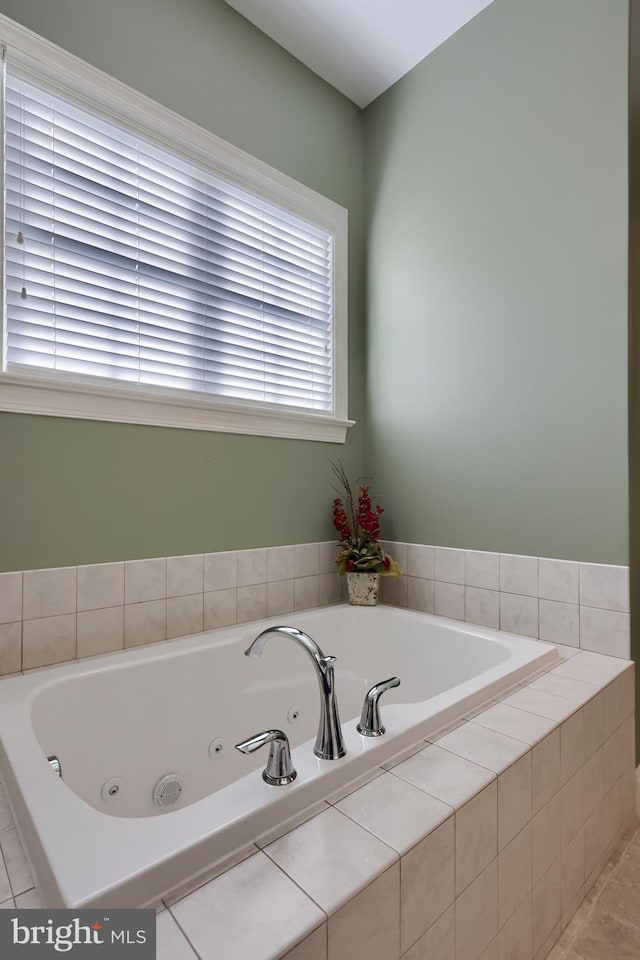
{"points": [[329, 742], [370, 723], [279, 769]]}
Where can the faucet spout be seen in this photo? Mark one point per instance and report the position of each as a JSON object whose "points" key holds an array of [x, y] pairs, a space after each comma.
{"points": [[329, 741]]}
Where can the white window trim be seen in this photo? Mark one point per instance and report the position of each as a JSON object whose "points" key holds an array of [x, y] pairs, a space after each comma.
{"points": [[68, 396]]}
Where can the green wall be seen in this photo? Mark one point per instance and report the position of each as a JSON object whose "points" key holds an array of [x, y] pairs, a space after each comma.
{"points": [[496, 295], [81, 492], [496, 198]]}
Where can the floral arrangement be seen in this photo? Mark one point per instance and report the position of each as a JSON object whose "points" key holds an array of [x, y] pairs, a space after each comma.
{"points": [[357, 520]]}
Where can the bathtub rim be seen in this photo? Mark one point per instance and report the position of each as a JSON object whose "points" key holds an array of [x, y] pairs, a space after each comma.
{"points": [[77, 872]]}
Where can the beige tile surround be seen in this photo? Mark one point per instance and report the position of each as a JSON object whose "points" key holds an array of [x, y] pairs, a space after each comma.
{"points": [[66, 613], [582, 605]]}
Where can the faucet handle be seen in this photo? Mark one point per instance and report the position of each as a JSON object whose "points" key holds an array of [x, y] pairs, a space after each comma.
{"points": [[279, 769], [370, 723]]}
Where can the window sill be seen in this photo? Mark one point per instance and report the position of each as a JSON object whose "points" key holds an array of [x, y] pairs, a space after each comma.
{"points": [[162, 408]]}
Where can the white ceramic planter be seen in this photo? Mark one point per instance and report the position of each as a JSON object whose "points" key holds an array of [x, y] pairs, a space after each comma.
{"points": [[363, 589]]}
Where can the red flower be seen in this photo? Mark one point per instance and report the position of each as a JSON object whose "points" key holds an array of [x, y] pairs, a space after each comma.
{"points": [[340, 520], [357, 520], [368, 519]]}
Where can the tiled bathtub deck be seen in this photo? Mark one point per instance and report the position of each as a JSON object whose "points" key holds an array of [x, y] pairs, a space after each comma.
{"points": [[480, 845]]}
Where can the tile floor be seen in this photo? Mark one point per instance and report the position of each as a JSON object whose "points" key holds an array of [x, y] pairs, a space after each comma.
{"points": [[607, 925]]}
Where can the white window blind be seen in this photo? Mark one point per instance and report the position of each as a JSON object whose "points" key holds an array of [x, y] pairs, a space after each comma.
{"points": [[127, 262]]}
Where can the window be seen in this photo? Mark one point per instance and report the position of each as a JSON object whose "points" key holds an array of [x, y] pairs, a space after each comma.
{"points": [[144, 281]]}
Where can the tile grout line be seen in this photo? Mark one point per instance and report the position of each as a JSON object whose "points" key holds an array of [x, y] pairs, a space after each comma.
{"points": [[305, 892], [182, 931]]}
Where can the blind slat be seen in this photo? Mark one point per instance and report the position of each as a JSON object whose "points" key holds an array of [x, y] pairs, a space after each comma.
{"points": [[140, 267]]}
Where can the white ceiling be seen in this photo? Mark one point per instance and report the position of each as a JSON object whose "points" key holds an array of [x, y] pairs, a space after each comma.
{"points": [[360, 47]]}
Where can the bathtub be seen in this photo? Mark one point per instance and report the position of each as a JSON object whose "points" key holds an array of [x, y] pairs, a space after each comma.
{"points": [[130, 719]]}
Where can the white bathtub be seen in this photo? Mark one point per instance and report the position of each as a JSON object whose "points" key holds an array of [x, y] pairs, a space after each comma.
{"points": [[139, 715]]}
